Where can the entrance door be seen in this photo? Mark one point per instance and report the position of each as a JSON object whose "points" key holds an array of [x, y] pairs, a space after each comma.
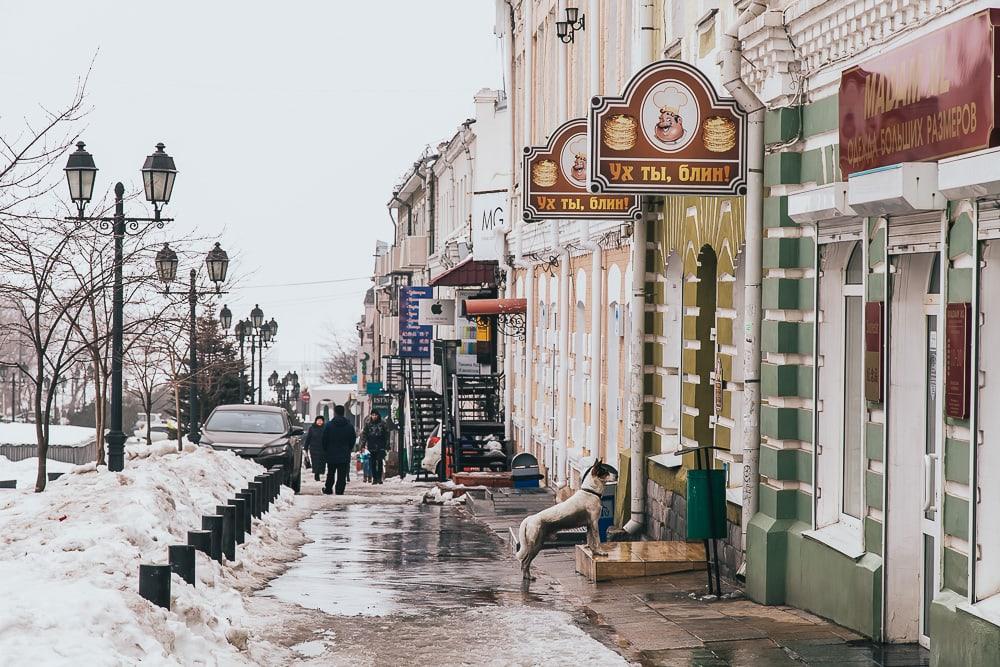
{"points": [[911, 507]]}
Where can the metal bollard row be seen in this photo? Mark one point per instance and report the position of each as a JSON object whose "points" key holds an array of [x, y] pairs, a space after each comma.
{"points": [[217, 539]]}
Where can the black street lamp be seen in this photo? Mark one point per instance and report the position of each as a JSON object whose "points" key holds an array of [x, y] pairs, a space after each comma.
{"points": [[256, 334], [166, 267], [158, 176]]}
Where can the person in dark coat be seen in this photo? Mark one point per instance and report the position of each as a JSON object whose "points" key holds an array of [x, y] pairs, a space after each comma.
{"points": [[338, 441], [375, 435], [313, 443]]}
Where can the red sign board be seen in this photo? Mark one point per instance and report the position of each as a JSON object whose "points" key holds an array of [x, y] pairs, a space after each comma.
{"points": [[668, 134], [873, 351], [926, 100], [958, 351], [555, 181]]}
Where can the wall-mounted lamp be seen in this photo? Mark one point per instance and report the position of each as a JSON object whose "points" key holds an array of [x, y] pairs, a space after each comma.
{"points": [[574, 21]]}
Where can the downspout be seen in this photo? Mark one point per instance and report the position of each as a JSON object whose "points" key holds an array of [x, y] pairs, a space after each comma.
{"points": [[527, 32], [561, 432], [596, 338], [732, 79], [637, 325], [637, 318]]}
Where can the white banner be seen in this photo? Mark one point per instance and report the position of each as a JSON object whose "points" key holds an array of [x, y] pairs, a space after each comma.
{"points": [[437, 311], [489, 210]]}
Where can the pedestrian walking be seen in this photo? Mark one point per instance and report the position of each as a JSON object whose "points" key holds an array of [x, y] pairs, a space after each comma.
{"points": [[313, 445], [365, 460], [375, 436], [338, 442]]}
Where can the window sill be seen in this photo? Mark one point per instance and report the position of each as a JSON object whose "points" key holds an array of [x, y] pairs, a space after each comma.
{"points": [[735, 496], [987, 610], [839, 537], [667, 460]]}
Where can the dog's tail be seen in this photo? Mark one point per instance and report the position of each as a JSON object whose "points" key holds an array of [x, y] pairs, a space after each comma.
{"points": [[521, 540]]}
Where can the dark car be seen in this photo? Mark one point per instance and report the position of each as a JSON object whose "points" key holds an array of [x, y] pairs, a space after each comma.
{"points": [[262, 433]]}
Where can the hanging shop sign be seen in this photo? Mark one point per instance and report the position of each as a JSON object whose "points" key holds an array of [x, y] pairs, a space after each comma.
{"points": [[931, 98], [958, 349], [437, 311], [669, 134], [489, 210], [873, 351], [555, 181], [414, 337]]}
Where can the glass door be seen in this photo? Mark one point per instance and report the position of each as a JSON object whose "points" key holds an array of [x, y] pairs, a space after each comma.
{"points": [[930, 501]]}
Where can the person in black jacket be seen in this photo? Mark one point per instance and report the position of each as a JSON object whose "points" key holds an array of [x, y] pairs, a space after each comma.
{"points": [[313, 443], [338, 441], [375, 435]]}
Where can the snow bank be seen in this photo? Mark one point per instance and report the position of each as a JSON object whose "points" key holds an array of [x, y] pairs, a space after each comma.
{"points": [[26, 470], [438, 497], [59, 435], [71, 561]]}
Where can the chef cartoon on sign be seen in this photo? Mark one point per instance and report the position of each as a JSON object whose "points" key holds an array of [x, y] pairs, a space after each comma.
{"points": [[670, 128], [578, 149]]}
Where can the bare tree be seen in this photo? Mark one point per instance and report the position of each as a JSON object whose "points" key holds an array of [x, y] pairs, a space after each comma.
{"points": [[147, 365], [341, 363]]}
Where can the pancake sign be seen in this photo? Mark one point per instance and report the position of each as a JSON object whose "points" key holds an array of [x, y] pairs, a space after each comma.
{"points": [[555, 183], [669, 133]]}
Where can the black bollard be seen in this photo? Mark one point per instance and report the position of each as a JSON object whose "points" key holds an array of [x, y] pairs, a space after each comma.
{"points": [[269, 481], [8, 483], [213, 522], [279, 473], [257, 489], [201, 540], [154, 584], [240, 520], [228, 514], [182, 560], [265, 492], [247, 512], [248, 495]]}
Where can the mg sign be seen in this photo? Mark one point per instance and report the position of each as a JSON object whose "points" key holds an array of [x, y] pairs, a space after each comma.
{"points": [[489, 210]]}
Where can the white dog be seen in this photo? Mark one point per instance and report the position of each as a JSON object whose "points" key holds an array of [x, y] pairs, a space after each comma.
{"points": [[583, 508]]}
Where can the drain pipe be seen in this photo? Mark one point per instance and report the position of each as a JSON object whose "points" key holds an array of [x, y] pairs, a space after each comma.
{"points": [[637, 318], [562, 430], [730, 61], [637, 324], [596, 338]]}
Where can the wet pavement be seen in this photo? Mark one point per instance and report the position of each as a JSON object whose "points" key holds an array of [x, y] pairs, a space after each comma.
{"points": [[389, 581]]}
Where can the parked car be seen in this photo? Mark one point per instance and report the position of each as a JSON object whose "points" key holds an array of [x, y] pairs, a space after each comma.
{"points": [[157, 432], [262, 433]]}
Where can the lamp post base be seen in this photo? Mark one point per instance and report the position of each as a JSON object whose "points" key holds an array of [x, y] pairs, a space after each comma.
{"points": [[116, 450]]}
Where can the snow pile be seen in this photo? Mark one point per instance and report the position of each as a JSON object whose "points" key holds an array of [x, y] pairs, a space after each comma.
{"points": [[71, 558], [25, 471], [436, 496], [59, 436]]}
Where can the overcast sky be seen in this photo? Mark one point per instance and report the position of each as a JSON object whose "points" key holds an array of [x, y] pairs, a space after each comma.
{"points": [[289, 122]]}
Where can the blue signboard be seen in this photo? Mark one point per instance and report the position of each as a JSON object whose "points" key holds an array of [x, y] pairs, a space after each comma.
{"points": [[414, 338]]}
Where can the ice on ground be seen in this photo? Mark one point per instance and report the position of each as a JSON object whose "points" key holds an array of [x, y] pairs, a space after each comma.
{"points": [[59, 435], [436, 496], [312, 649], [71, 560]]}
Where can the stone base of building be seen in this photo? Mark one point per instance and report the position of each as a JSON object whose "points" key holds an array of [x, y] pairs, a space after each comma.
{"points": [[960, 638]]}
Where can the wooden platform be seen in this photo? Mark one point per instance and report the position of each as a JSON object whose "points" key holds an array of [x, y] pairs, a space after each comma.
{"points": [[639, 559]]}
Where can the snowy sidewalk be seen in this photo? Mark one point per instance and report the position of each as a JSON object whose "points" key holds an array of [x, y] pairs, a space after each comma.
{"points": [[71, 560]]}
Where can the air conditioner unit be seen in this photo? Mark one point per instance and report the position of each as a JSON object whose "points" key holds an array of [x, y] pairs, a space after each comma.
{"points": [[414, 253]]}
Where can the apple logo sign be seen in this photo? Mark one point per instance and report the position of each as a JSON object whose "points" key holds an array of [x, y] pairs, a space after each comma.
{"points": [[436, 308]]}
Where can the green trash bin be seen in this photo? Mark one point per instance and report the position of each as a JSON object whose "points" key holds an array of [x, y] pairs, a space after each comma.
{"points": [[706, 504]]}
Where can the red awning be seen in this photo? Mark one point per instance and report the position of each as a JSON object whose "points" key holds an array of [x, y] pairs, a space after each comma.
{"points": [[477, 307], [470, 273]]}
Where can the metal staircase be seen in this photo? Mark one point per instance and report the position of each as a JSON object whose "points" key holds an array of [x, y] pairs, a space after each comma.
{"points": [[478, 418], [425, 408]]}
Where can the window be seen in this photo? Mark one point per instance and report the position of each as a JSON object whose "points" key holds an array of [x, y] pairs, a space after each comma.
{"points": [[840, 408]]}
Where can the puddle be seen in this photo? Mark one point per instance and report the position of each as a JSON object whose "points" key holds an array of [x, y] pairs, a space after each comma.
{"points": [[378, 560]]}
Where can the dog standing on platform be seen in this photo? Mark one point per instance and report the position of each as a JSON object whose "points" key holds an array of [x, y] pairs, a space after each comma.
{"points": [[583, 508]]}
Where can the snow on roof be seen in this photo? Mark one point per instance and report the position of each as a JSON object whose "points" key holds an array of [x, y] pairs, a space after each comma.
{"points": [[62, 436]]}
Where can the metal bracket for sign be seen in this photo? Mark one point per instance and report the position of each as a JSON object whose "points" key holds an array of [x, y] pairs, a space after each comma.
{"points": [[511, 325]]}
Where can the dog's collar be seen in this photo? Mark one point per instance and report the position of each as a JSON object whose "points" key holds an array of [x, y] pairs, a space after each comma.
{"points": [[592, 492]]}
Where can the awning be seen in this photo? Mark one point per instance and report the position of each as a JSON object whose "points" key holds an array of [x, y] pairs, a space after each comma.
{"points": [[480, 307], [469, 273]]}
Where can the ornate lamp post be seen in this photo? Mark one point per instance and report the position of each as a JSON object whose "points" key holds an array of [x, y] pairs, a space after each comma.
{"points": [[257, 334], [158, 176], [217, 262]]}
